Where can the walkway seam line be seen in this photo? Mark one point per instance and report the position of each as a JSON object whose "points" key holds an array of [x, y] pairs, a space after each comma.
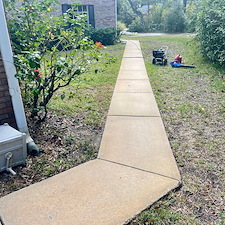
{"points": [[133, 92], [132, 70], [133, 79], [143, 170], [132, 57], [136, 116]]}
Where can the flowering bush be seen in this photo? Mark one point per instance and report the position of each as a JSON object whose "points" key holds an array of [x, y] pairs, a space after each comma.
{"points": [[50, 51], [37, 74], [98, 45]]}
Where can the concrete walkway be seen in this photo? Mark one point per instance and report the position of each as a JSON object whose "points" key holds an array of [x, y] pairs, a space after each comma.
{"points": [[135, 165]]}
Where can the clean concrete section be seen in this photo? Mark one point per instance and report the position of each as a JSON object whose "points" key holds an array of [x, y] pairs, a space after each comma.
{"points": [[136, 64], [134, 75], [133, 50], [133, 104], [134, 54], [135, 165], [140, 142], [134, 133], [135, 86], [96, 193]]}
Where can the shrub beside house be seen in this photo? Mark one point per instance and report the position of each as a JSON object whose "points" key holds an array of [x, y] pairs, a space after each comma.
{"points": [[101, 14]]}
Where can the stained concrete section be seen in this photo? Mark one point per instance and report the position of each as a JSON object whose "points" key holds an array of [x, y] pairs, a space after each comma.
{"points": [[140, 142], [133, 104], [97, 193]]}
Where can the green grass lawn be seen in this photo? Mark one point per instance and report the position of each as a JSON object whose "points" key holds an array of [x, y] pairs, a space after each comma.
{"points": [[192, 106], [90, 94]]}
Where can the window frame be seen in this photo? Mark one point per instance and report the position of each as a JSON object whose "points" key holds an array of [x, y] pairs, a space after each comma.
{"points": [[82, 9]]}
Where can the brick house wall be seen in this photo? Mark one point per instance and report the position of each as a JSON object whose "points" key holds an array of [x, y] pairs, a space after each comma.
{"points": [[6, 108], [105, 11]]}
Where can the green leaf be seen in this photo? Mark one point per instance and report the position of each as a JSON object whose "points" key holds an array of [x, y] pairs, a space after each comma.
{"points": [[62, 96]]}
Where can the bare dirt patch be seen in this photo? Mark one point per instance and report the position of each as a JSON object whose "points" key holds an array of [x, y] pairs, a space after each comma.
{"points": [[64, 142]]}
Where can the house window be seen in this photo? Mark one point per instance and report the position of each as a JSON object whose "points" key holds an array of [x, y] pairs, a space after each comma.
{"points": [[82, 9]]}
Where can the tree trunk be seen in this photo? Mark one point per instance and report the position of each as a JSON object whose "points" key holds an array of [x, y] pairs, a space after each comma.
{"points": [[134, 8], [184, 5]]}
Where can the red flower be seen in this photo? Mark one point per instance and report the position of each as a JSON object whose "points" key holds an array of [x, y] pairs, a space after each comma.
{"points": [[98, 45], [37, 74]]}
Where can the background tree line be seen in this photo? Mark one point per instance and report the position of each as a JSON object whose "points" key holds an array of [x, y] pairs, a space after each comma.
{"points": [[204, 17], [159, 15]]}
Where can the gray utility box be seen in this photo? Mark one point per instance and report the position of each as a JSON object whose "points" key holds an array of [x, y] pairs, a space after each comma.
{"points": [[13, 149]]}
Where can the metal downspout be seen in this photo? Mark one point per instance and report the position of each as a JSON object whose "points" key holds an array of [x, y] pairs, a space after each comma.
{"points": [[14, 88], [116, 12]]}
